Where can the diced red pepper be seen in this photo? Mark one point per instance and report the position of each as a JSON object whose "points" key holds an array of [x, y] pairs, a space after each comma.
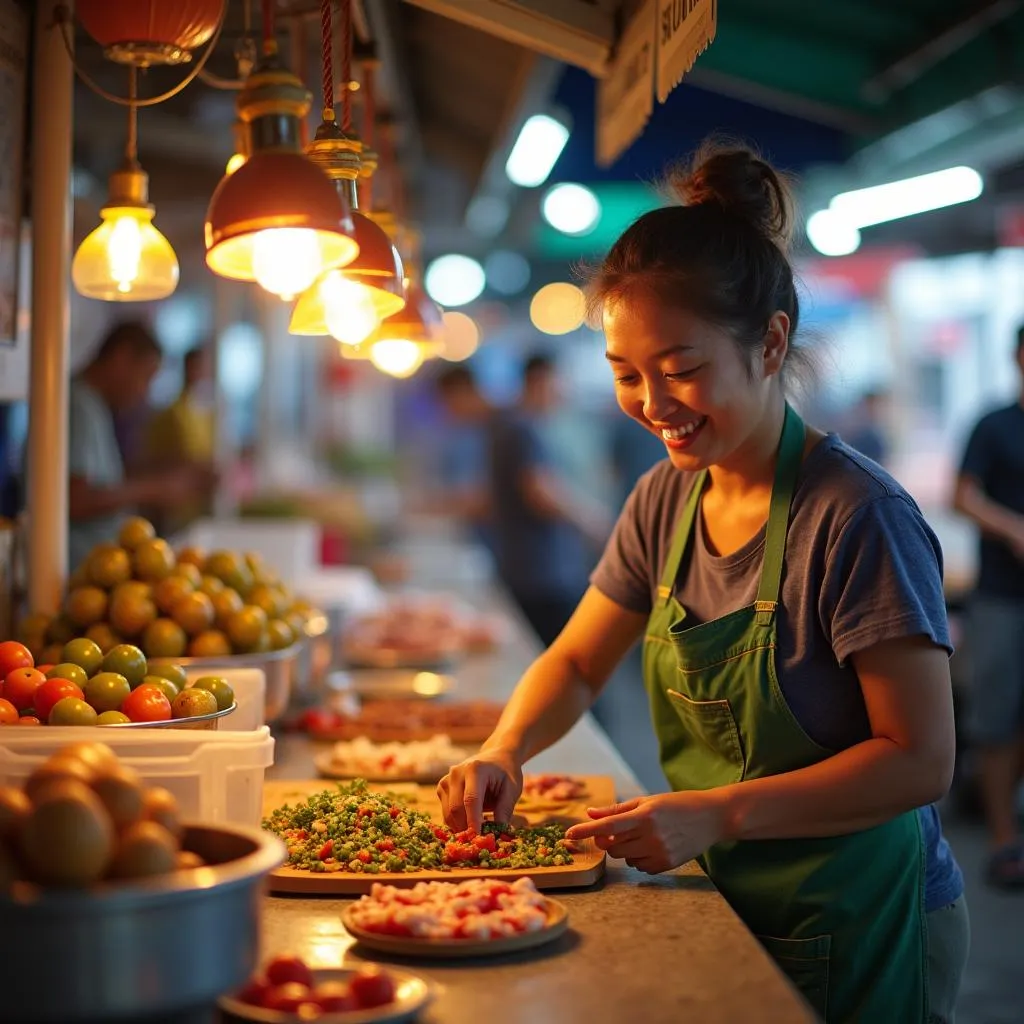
{"points": [[441, 834], [365, 856], [365, 810], [485, 842], [395, 811], [385, 845], [326, 850], [465, 836]]}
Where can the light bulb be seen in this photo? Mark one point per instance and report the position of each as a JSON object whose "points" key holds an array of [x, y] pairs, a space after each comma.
{"points": [[398, 357], [286, 261], [236, 161], [125, 259], [349, 312]]}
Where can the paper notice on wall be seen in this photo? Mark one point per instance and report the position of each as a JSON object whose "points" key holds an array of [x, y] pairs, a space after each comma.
{"points": [[625, 96], [685, 30]]}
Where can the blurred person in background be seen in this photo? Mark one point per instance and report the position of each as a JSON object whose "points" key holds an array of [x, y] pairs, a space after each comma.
{"points": [[545, 536], [463, 453], [100, 492], [182, 434], [866, 430], [990, 491]]}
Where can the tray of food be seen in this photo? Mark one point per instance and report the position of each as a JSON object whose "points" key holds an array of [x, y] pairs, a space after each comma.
{"points": [[401, 720], [471, 918], [413, 761], [343, 839]]}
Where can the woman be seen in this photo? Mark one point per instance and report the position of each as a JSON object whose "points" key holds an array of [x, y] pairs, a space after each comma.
{"points": [[789, 594]]}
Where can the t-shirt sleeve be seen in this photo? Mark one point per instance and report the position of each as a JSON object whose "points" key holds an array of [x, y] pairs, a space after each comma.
{"points": [[883, 580], [979, 454], [624, 572]]}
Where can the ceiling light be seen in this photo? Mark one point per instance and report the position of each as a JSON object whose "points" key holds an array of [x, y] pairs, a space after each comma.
{"points": [[831, 234], [455, 280], [398, 357], [536, 151], [572, 209], [894, 200], [558, 308], [507, 272], [277, 220], [461, 336]]}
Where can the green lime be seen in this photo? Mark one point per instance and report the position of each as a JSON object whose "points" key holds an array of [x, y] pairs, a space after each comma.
{"points": [[165, 686], [106, 691], [128, 661], [66, 670], [84, 652], [112, 718], [72, 711], [169, 670], [219, 687]]}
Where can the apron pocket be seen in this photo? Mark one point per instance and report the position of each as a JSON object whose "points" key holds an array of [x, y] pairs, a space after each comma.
{"points": [[805, 963], [711, 722]]}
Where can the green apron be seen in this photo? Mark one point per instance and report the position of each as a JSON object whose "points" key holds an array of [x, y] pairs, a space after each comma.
{"points": [[844, 916]]}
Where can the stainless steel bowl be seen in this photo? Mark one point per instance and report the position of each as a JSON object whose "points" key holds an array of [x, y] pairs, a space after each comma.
{"points": [[198, 723], [281, 669], [170, 945]]}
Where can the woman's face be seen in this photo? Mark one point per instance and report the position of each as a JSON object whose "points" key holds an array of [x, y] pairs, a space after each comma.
{"points": [[688, 381]]}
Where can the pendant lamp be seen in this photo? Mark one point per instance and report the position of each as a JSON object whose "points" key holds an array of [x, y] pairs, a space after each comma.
{"points": [[278, 219], [126, 259], [348, 303]]}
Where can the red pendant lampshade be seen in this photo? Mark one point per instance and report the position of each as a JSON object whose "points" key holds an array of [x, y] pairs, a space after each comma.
{"points": [[165, 32]]}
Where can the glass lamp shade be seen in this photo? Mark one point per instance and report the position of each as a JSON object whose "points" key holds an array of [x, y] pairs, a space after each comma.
{"points": [[278, 220], [340, 303], [125, 259]]}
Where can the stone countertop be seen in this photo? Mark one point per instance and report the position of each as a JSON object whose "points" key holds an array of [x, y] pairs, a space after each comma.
{"points": [[656, 949]]}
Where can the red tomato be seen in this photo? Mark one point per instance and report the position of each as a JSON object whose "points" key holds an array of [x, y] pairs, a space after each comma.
{"points": [[372, 987], [485, 842], [14, 655], [285, 969], [457, 853], [286, 998], [20, 686], [254, 993], [441, 833], [28, 720], [44, 668], [364, 856], [335, 997], [53, 690], [8, 713], [146, 704], [385, 845], [326, 850], [320, 720]]}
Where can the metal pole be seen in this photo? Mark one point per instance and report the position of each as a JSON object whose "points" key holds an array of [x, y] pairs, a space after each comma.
{"points": [[225, 442], [52, 106]]}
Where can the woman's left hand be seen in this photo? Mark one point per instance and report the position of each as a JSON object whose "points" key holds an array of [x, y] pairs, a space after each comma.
{"points": [[656, 833]]}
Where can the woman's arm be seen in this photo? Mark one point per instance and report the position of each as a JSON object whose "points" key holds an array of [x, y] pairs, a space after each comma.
{"points": [[548, 700], [907, 763]]}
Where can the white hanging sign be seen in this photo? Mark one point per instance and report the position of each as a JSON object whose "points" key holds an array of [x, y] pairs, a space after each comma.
{"points": [[685, 30]]}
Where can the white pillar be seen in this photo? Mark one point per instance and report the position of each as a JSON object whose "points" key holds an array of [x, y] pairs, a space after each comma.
{"points": [[52, 106], [225, 308]]}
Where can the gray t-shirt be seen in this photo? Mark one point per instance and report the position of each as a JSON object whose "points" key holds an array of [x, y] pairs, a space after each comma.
{"points": [[93, 454], [862, 566]]}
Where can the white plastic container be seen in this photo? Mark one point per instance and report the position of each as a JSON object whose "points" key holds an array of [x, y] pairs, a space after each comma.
{"points": [[216, 776]]}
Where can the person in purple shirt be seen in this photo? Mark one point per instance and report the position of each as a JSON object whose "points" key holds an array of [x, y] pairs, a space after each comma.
{"points": [[789, 596]]}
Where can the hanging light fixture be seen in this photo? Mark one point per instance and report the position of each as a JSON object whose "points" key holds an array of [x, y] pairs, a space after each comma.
{"points": [[126, 259], [277, 220], [348, 303]]}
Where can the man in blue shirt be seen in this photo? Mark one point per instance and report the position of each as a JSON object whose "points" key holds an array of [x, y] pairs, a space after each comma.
{"points": [[990, 491]]}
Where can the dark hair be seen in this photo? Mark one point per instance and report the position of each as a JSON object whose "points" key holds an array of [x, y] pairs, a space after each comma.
{"points": [[133, 335], [539, 362], [455, 378], [720, 251], [193, 356]]}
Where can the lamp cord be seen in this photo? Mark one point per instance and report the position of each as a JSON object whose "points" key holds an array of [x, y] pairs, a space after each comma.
{"points": [[269, 40], [369, 118], [346, 65], [327, 59], [63, 21], [131, 146]]}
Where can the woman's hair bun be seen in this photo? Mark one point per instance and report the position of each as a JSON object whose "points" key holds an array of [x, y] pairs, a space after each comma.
{"points": [[739, 181]]}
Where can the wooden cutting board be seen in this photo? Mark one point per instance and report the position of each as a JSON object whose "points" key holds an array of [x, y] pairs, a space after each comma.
{"points": [[587, 867]]}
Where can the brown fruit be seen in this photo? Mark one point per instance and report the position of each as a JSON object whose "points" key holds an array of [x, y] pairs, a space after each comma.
{"points": [[68, 839], [153, 560], [279, 634], [103, 636], [15, 807], [161, 806], [109, 565], [135, 531], [269, 599], [193, 702], [144, 849], [131, 615], [192, 556], [120, 790], [85, 605], [188, 571], [225, 604], [211, 644], [164, 638], [171, 590], [189, 861], [194, 613], [93, 755], [210, 585], [59, 631], [246, 628], [57, 770]]}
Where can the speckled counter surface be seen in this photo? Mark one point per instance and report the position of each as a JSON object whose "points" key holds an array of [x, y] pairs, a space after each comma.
{"points": [[640, 949]]}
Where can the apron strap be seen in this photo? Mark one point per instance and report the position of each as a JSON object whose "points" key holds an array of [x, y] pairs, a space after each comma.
{"points": [[787, 470], [679, 539]]}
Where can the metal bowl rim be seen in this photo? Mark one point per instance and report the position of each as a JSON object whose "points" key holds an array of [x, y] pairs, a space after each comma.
{"points": [[171, 723], [253, 659]]}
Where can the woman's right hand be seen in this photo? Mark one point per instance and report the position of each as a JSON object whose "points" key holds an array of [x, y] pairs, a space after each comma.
{"points": [[488, 781]]}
